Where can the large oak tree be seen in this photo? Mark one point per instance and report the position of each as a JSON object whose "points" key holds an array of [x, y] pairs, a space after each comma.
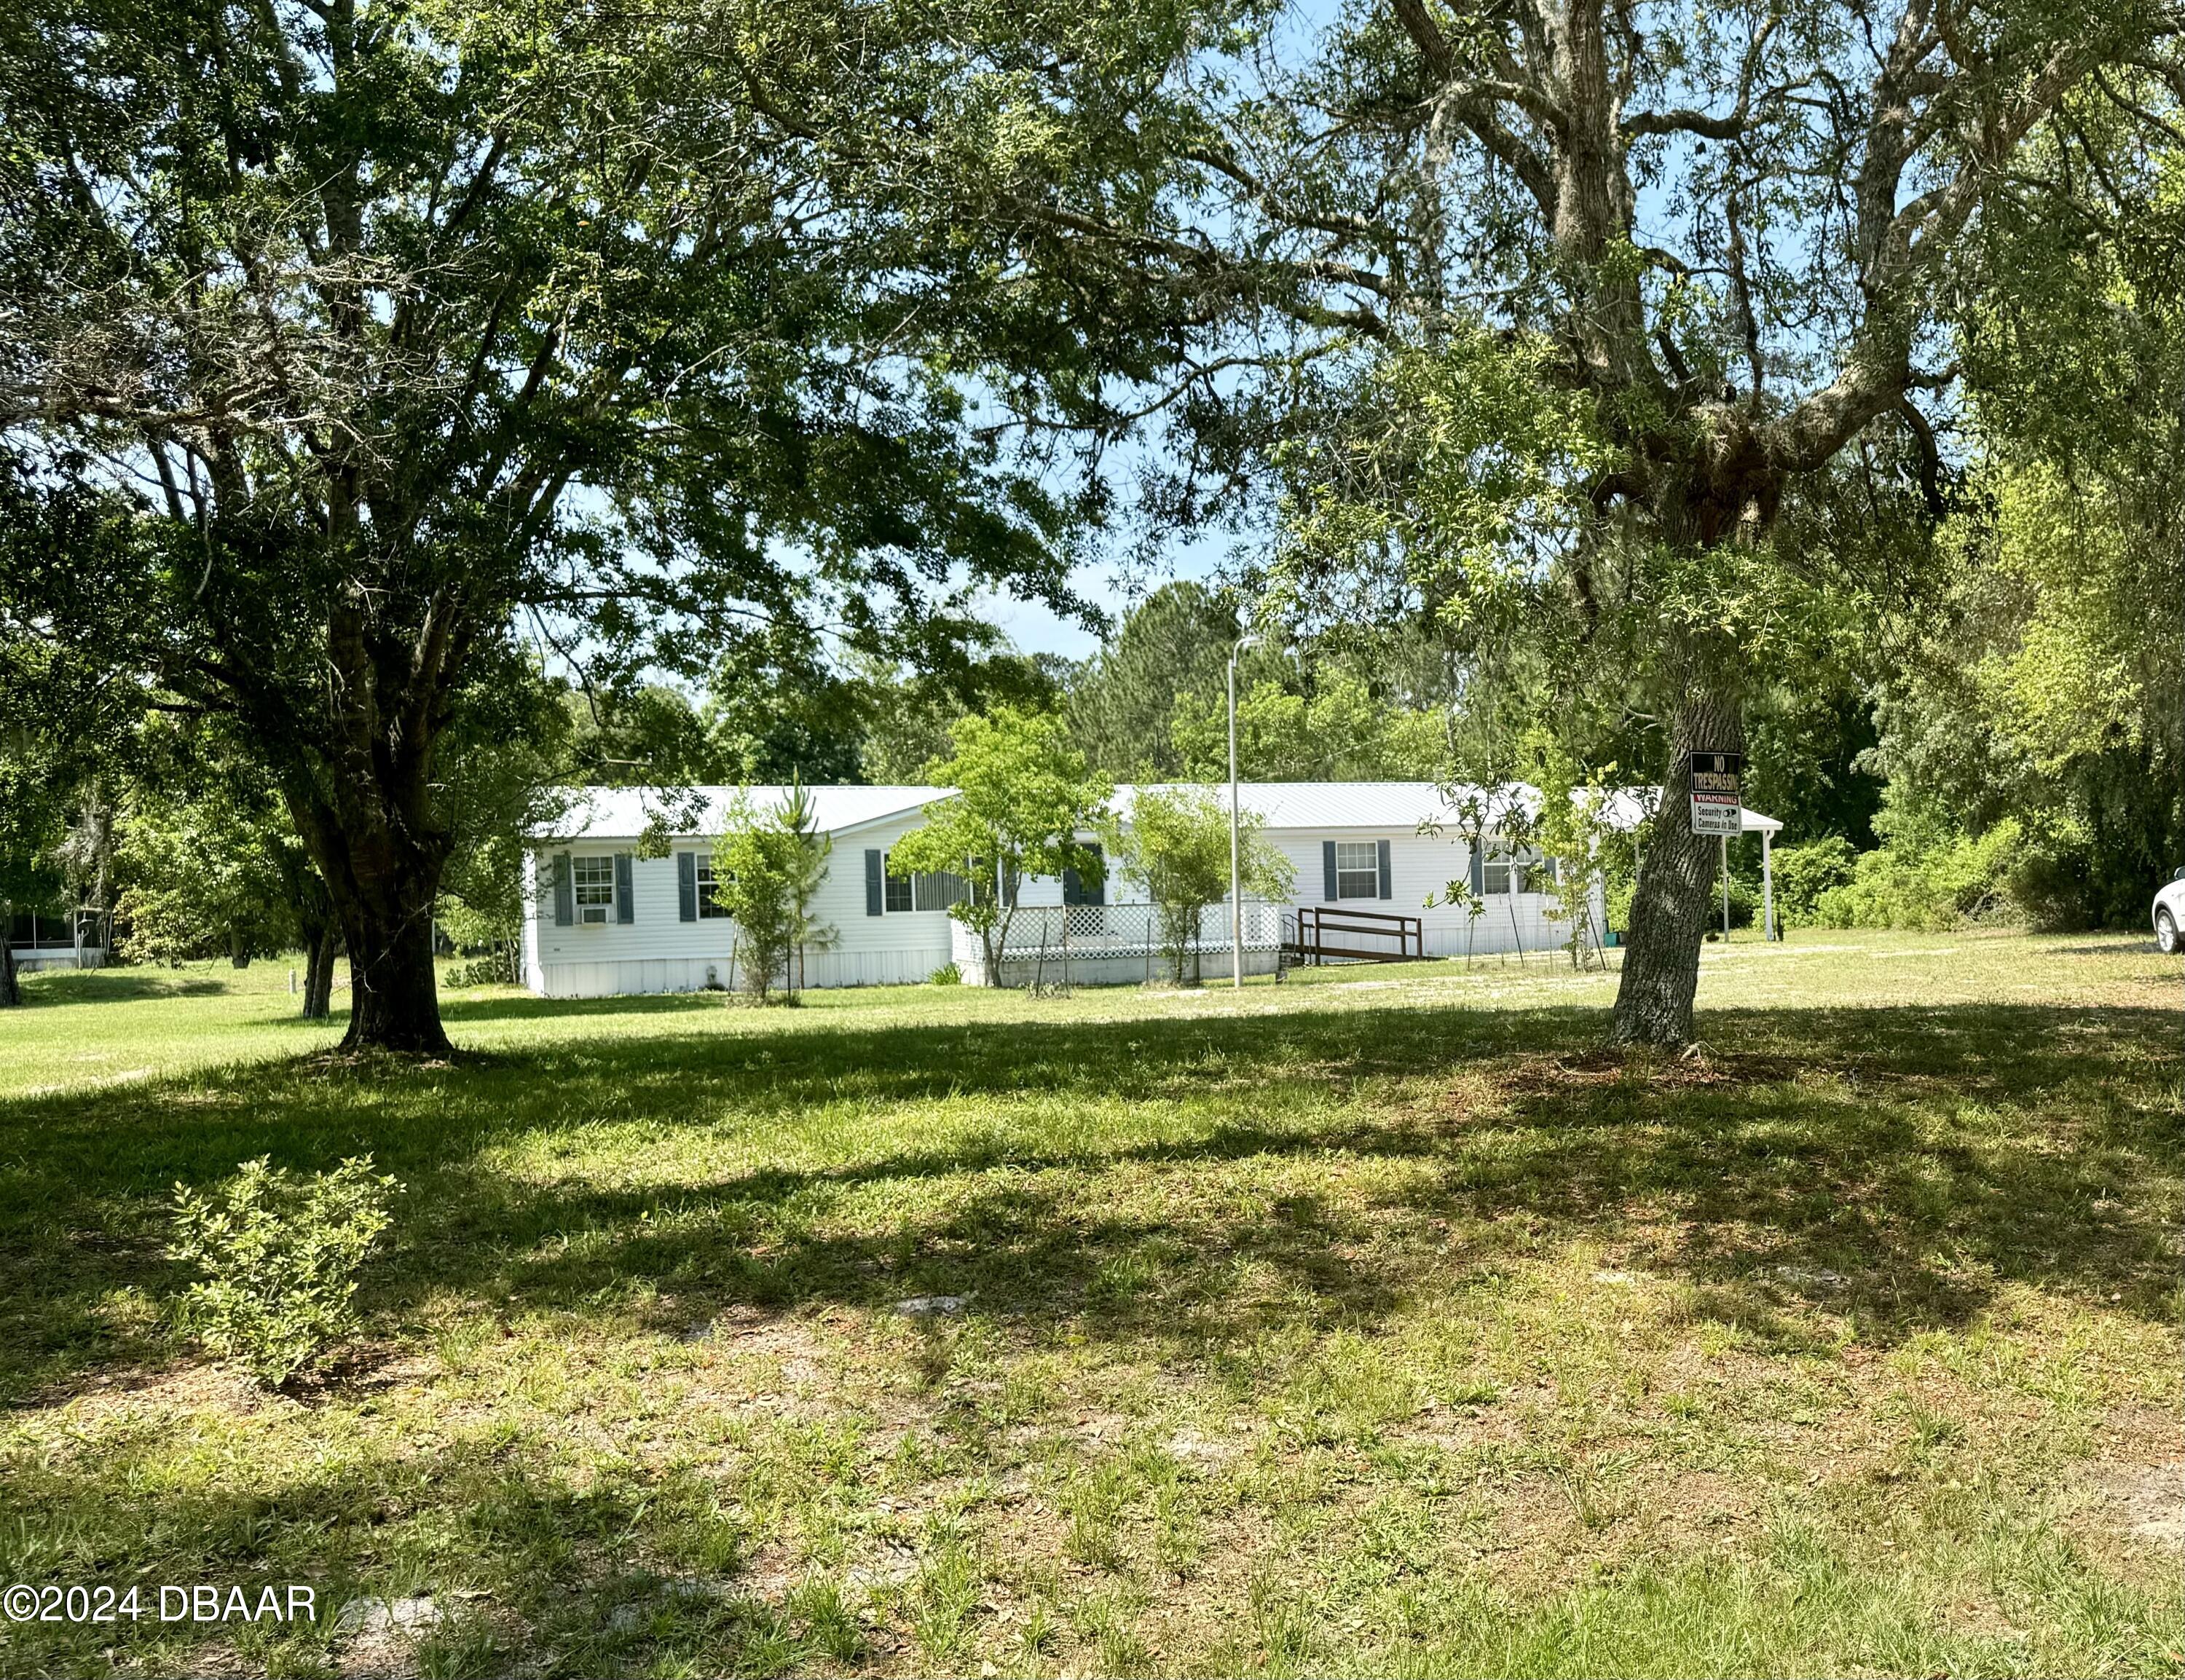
{"points": [[414, 337], [1727, 245]]}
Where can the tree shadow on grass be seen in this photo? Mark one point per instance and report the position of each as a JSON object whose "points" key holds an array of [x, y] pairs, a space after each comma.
{"points": [[1189, 1180], [1854, 1197], [105, 986], [457, 1010], [516, 1557]]}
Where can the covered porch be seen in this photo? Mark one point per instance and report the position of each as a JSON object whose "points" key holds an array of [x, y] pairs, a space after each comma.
{"points": [[47, 938]]}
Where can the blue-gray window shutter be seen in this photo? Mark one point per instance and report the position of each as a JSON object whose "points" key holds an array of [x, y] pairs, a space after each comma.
{"points": [[1480, 868], [1387, 886], [1074, 889], [565, 892], [625, 908], [687, 885], [1327, 869], [876, 883]]}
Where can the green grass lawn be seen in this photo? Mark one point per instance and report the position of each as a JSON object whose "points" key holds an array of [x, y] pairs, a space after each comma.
{"points": [[1372, 1323]]}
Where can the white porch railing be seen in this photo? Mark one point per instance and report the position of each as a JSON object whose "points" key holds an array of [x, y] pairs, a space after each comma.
{"points": [[1040, 934]]}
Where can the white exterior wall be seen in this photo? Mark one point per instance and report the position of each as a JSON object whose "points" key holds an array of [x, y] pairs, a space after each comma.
{"points": [[1420, 866], [30, 961], [659, 951]]}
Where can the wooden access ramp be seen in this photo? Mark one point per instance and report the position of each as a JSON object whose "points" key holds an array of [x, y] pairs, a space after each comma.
{"points": [[1331, 933]]}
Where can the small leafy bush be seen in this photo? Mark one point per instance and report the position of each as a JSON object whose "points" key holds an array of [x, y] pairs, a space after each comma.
{"points": [[947, 974], [1804, 872], [279, 1253], [496, 969]]}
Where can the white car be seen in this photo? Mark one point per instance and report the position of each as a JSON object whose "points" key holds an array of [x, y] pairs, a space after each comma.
{"points": [[2169, 916]]}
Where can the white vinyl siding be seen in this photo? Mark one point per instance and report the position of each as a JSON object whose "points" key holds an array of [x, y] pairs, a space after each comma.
{"points": [[662, 952]]}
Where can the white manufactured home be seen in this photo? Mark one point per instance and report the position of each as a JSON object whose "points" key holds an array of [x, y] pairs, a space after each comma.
{"points": [[619, 892], [602, 920]]}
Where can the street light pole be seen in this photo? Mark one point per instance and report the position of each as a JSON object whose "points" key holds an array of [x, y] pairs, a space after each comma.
{"points": [[1236, 868]]}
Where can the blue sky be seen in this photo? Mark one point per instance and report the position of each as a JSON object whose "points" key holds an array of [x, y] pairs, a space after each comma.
{"points": [[1030, 626], [1032, 629]]}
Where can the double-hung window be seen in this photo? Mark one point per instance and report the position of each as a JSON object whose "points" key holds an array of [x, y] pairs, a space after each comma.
{"points": [[937, 890], [1517, 869], [710, 906], [924, 890], [1357, 869], [592, 880]]}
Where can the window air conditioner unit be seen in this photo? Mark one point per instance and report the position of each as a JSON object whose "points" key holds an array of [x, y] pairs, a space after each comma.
{"points": [[593, 915]]}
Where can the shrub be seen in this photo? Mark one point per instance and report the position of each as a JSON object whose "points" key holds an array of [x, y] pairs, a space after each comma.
{"points": [[1744, 902], [947, 974], [1928, 881], [496, 969], [1804, 872], [279, 1252]]}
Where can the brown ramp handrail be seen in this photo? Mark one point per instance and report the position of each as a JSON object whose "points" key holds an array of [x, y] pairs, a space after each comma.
{"points": [[1315, 923]]}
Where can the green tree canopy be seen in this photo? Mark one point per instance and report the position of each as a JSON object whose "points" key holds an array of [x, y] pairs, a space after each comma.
{"points": [[1025, 800], [1176, 851], [1339, 733], [1171, 647], [1553, 310], [403, 336]]}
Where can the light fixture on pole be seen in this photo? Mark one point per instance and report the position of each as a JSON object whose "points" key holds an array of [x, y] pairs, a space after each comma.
{"points": [[1235, 875]]}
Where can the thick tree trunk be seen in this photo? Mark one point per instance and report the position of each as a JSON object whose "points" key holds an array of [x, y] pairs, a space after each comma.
{"points": [[11, 991], [1669, 913], [394, 1002], [238, 953], [380, 857], [321, 943]]}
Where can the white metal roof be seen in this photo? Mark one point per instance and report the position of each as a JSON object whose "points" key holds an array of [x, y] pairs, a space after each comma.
{"points": [[1408, 805], [1322, 805], [624, 814]]}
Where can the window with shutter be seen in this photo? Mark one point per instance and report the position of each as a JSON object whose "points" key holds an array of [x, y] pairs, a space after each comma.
{"points": [[1357, 869], [565, 902], [593, 880]]}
